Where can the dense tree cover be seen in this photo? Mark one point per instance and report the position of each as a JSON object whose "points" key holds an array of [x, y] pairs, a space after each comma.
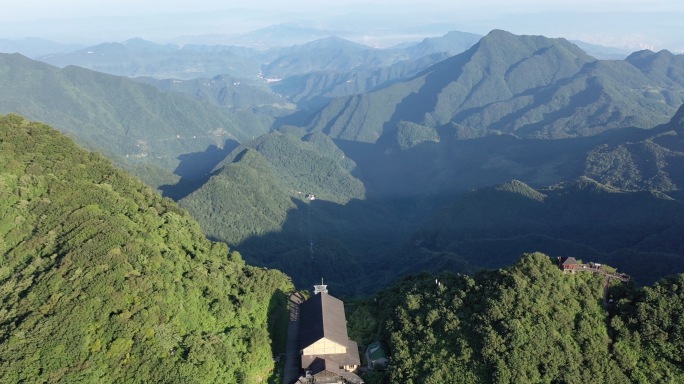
{"points": [[255, 187], [257, 203], [649, 161], [491, 226], [527, 323], [410, 134], [243, 199], [311, 164], [650, 329], [103, 280], [253, 205]]}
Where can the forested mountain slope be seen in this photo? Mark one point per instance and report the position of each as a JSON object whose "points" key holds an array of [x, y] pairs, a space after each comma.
{"points": [[242, 199], [121, 116], [652, 160], [256, 201], [306, 162], [103, 280], [529, 86], [330, 54], [527, 323], [416, 181], [664, 66], [316, 88], [226, 91], [490, 227]]}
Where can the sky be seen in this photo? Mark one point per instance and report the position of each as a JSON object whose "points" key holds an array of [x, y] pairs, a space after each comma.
{"points": [[627, 24]]}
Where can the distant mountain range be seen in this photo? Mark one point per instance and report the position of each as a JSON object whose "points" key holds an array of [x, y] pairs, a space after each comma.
{"points": [[138, 57], [527, 86], [310, 73], [335, 160], [36, 47], [389, 141], [306, 73], [122, 117], [232, 93]]}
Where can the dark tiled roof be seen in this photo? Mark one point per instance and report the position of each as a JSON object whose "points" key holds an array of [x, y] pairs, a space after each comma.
{"points": [[353, 353], [327, 371], [322, 316], [568, 261], [324, 365]]}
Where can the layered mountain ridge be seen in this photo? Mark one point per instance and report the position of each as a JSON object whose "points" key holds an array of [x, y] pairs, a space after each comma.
{"points": [[529, 86], [383, 163], [120, 116]]}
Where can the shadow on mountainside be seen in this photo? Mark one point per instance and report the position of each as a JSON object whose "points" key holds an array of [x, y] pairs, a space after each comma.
{"points": [[364, 246], [195, 169], [350, 246], [408, 222]]}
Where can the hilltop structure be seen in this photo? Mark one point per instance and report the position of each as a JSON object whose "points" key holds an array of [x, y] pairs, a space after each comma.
{"points": [[327, 353], [572, 265]]}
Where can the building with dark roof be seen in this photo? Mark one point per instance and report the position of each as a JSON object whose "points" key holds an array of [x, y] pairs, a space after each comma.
{"points": [[327, 354], [567, 263]]}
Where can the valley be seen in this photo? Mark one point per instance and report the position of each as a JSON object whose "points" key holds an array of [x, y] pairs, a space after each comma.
{"points": [[386, 159]]}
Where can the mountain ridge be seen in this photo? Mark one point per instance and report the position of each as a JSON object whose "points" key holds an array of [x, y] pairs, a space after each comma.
{"points": [[130, 119], [530, 86]]}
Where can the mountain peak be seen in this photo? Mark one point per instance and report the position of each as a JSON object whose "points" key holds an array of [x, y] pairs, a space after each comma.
{"points": [[508, 42], [643, 58], [520, 188], [334, 41], [142, 44]]}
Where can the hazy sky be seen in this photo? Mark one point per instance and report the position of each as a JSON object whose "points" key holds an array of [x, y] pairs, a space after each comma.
{"points": [[653, 24]]}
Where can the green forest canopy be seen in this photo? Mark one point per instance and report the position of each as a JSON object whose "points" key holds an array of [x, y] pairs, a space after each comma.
{"points": [[103, 280], [528, 323]]}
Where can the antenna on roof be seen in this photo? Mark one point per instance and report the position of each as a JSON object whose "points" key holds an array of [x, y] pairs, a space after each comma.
{"points": [[320, 288]]}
